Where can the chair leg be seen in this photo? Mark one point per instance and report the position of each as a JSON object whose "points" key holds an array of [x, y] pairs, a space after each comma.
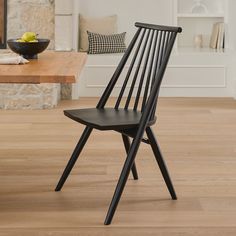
{"points": [[161, 162], [123, 179], [126, 142], [79, 147]]}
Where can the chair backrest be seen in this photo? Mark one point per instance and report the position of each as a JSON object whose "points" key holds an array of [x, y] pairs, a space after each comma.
{"points": [[148, 55]]}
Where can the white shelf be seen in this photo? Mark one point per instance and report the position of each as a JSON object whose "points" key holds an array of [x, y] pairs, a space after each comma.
{"points": [[191, 15], [195, 24], [205, 50]]}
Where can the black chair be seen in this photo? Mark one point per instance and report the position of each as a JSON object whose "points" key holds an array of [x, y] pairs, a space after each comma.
{"points": [[149, 50]]}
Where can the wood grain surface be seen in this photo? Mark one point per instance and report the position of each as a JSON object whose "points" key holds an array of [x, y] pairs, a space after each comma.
{"points": [[198, 141], [51, 67]]}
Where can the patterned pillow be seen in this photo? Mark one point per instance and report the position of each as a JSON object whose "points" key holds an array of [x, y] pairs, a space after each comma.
{"points": [[100, 25], [100, 44]]}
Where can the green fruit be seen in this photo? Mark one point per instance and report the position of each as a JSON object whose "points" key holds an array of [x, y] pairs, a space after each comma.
{"points": [[29, 36], [20, 40], [33, 41]]}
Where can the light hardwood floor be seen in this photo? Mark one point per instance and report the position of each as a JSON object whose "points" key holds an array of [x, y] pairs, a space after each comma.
{"points": [[198, 140]]}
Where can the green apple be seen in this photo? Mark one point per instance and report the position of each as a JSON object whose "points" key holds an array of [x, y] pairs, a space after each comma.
{"points": [[20, 40], [33, 41], [29, 36]]}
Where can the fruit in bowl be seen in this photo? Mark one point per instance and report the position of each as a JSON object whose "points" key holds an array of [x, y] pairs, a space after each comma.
{"points": [[28, 46], [28, 37]]}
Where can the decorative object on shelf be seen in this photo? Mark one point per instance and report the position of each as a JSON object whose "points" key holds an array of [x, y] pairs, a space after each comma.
{"points": [[218, 36], [198, 41], [199, 8]]}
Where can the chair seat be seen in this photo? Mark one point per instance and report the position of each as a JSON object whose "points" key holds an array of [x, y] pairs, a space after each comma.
{"points": [[107, 118]]}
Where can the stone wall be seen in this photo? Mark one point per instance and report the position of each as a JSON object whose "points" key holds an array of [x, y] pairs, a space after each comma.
{"points": [[31, 15], [29, 96], [37, 16]]}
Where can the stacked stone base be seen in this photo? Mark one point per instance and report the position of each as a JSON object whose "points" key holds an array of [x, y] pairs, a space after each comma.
{"points": [[29, 96]]}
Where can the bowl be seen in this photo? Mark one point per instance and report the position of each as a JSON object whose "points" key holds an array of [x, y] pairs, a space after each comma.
{"points": [[28, 50]]}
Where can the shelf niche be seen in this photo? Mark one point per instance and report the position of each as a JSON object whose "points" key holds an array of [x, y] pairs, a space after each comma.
{"points": [[194, 24]]}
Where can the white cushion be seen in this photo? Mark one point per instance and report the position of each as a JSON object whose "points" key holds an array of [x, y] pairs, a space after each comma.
{"points": [[103, 25]]}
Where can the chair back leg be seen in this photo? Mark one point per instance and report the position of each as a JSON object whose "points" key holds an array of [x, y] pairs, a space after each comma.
{"points": [[161, 162], [79, 147], [126, 142]]}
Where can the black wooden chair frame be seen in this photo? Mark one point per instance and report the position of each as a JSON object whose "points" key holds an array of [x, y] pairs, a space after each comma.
{"points": [[167, 36]]}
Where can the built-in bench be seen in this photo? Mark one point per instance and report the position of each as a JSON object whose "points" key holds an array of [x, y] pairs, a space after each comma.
{"points": [[200, 76]]}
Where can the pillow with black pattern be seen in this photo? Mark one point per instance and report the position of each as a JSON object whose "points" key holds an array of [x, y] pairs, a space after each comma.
{"points": [[101, 44]]}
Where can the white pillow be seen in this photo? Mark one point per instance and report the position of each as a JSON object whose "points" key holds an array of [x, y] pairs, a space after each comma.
{"points": [[102, 25]]}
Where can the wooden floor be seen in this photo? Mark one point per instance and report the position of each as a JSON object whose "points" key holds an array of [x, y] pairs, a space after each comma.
{"points": [[198, 140]]}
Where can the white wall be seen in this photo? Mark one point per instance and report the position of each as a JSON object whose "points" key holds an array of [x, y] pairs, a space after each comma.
{"points": [[129, 11]]}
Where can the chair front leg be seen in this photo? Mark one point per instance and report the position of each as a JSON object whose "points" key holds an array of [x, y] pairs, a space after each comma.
{"points": [[123, 178], [161, 162], [79, 147], [126, 142]]}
